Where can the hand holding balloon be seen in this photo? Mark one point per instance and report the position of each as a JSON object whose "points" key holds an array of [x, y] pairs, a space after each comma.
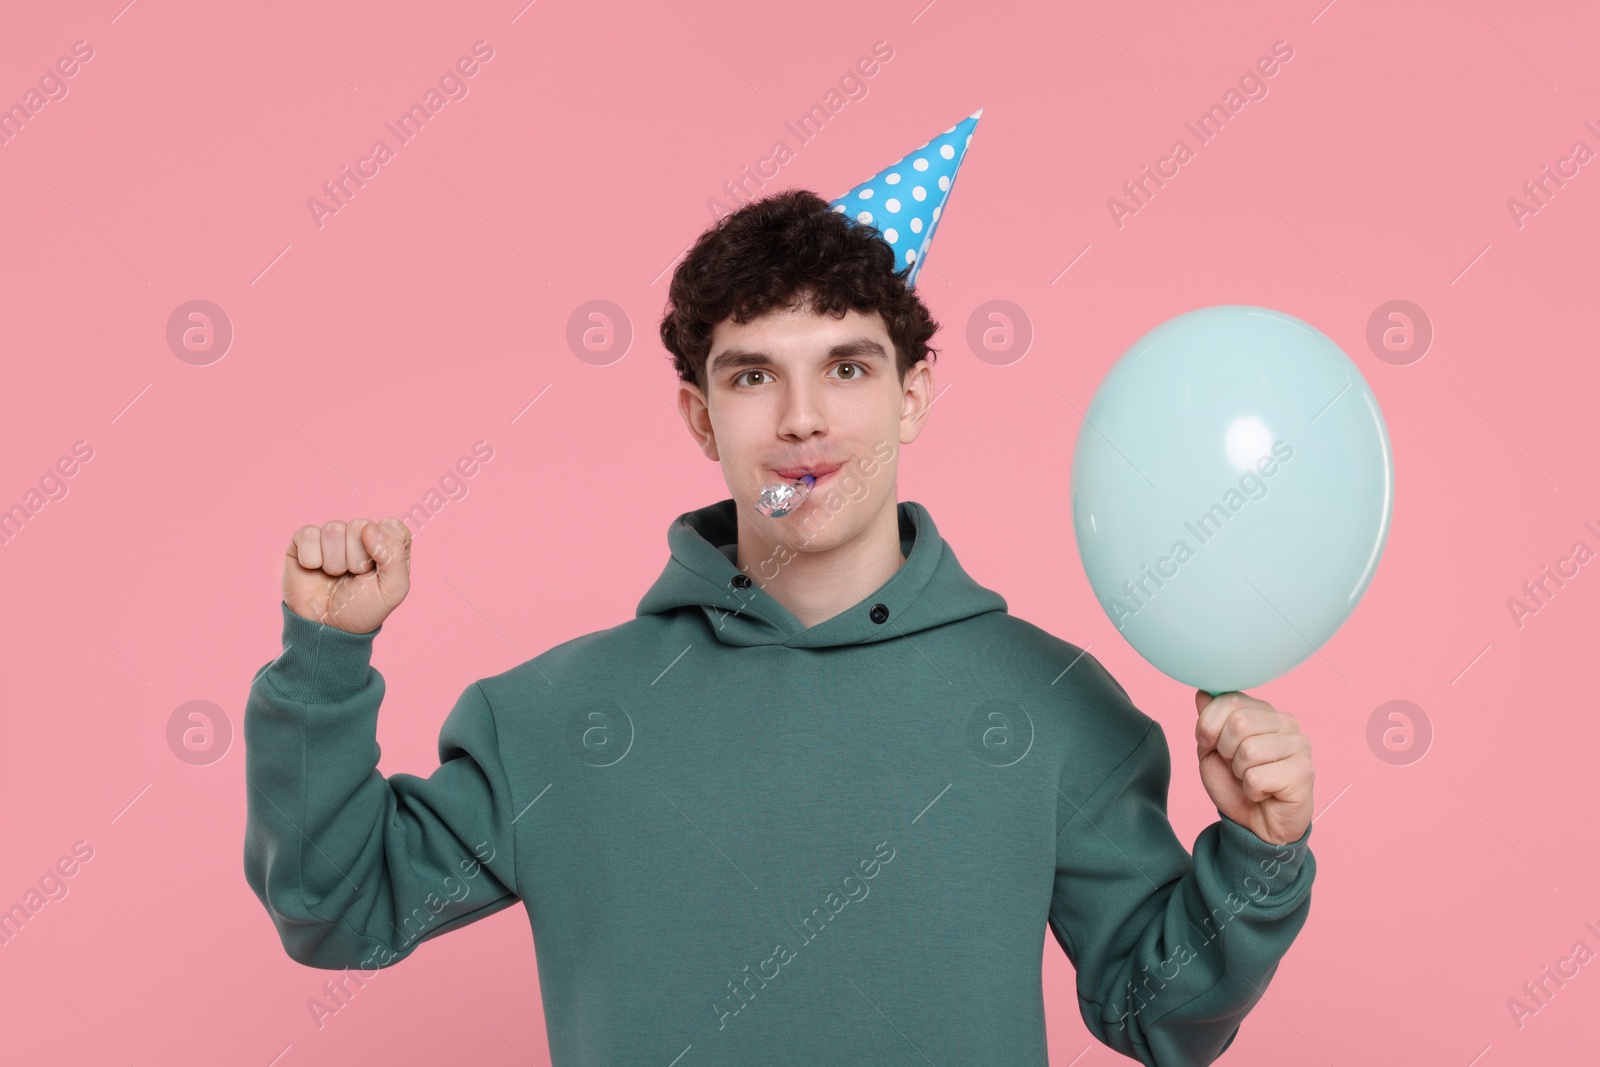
{"points": [[1255, 764]]}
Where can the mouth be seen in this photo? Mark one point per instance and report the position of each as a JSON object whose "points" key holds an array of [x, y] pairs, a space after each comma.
{"points": [[795, 474]]}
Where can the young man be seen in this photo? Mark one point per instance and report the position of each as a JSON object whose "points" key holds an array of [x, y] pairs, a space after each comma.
{"points": [[815, 803]]}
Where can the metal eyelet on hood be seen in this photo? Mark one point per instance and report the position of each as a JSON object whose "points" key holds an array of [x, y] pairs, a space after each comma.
{"points": [[702, 575]]}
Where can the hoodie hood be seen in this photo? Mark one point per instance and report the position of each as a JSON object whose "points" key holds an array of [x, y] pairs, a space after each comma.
{"points": [[930, 588]]}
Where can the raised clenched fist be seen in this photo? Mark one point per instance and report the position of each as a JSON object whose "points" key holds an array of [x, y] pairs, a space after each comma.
{"points": [[349, 575]]}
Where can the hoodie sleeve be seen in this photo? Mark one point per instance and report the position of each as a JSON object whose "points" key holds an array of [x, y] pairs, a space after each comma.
{"points": [[1171, 951], [356, 869]]}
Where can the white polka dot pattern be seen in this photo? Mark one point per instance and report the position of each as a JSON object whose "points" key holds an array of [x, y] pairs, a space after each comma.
{"points": [[933, 165]]}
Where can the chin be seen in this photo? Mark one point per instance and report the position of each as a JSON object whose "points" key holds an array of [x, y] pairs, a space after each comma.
{"points": [[820, 528]]}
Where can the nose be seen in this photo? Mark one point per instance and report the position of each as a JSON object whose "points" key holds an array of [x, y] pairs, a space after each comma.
{"points": [[802, 410]]}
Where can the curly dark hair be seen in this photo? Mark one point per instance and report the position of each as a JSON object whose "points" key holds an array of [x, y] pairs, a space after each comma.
{"points": [[788, 250]]}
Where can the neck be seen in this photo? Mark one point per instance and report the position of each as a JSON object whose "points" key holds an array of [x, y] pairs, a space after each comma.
{"points": [[815, 584]]}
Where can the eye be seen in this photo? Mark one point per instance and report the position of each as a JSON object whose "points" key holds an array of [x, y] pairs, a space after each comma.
{"points": [[860, 372]]}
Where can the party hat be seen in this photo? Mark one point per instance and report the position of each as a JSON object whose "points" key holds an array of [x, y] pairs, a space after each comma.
{"points": [[905, 199]]}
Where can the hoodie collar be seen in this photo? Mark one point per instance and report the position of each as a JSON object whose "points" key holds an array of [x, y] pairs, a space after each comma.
{"points": [[930, 588]]}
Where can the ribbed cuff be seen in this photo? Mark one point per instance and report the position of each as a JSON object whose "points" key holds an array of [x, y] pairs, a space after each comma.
{"points": [[1265, 874], [320, 664]]}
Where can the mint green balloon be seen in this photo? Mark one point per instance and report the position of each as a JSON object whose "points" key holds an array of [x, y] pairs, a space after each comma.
{"points": [[1231, 492]]}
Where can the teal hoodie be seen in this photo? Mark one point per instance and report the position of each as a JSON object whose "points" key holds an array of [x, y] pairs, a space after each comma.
{"points": [[741, 840]]}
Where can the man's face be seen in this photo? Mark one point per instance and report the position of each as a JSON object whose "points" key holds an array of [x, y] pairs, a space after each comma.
{"points": [[795, 390]]}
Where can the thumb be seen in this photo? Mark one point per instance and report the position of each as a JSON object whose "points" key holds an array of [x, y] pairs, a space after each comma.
{"points": [[388, 542]]}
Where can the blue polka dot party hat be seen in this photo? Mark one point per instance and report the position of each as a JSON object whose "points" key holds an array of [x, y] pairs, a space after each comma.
{"points": [[905, 199]]}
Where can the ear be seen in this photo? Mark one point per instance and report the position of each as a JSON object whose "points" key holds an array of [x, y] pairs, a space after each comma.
{"points": [[917, 398], [696, 412]]}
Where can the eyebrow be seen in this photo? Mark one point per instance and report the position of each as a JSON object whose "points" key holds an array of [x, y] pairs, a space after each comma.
{"points": [[740, 358]]}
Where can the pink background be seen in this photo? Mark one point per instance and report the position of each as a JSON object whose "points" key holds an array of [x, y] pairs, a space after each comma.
{"points": [[427, 314]]}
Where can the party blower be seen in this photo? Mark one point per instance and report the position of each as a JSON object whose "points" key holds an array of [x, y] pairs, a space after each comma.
{"points": [[780, 499], [903, 201]]}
